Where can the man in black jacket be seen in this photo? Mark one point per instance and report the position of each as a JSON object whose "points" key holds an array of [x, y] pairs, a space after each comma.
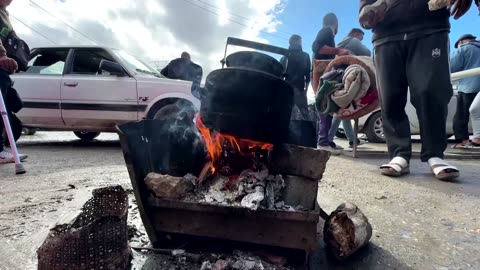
{"points": [[297, 72], [412, 52], [184, 69]]}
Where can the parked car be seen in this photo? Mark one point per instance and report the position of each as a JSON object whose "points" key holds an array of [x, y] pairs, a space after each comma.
{"points": [[90, 90], [371, 124]]}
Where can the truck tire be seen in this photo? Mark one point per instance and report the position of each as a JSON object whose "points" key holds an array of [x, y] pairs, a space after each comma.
{"points": [[29, 131], [86, 136], [181, 110], [374, 130]]}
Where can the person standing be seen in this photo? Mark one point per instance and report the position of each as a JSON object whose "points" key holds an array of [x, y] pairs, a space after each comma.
{"points": [[466, 57], [297, 73], [352, 43], [7, 66], [411, 50], [184, 69], [324, 49]]}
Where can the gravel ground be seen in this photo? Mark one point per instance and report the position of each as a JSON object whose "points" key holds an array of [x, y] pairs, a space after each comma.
{"points": [[419, 222]]}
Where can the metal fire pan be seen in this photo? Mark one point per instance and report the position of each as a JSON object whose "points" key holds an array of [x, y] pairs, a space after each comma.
{"points": [[293, 230]]}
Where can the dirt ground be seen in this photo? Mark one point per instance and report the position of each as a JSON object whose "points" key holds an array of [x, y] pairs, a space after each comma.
{"points": [[419, 222]]}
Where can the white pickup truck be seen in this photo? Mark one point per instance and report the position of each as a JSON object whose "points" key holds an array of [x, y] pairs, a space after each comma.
{"points": [[90, 90]]}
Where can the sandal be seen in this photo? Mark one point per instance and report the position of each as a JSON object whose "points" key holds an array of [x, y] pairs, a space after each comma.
{"points": [[442, 170], [462, 146], [396, 168]]}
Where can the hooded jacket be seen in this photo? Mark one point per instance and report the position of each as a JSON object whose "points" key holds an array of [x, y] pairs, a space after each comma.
{"points": [[408, 19], [354, 46], [467, 57], [297, 67]]}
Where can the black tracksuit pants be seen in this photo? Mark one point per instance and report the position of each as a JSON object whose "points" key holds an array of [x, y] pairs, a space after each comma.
{"points": [[421, 65], [5, 84], [462, 116]]}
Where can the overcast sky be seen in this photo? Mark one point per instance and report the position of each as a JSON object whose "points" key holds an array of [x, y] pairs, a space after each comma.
{"points": [[150, 29]]}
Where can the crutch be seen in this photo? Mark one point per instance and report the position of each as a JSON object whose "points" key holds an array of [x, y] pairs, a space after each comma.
{"points": [[19, 169]]}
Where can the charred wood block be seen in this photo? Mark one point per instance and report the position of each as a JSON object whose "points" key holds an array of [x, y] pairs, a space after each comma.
{"points": [[300, 191], [300, 161], [168, 187], [346, 231]]}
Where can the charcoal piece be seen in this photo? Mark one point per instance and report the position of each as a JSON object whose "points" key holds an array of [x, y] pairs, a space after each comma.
{"points": [[299, 161], [168, 187], [270, 195]]}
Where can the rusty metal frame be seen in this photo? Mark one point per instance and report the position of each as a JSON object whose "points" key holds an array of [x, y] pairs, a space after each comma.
{"points": [[293, 230]]}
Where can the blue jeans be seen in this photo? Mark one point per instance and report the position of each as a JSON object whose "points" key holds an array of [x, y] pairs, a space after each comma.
{"points": [[347, 127]]}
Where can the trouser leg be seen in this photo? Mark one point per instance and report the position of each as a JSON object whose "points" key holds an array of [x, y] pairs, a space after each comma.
{"points": [[4, 88], [462, 116], [324, 125], [428, 76], [392, 85], [347, 127], [333, 130], [475, 114]]}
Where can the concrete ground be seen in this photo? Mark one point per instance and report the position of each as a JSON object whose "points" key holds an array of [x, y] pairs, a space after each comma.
{"points": [[419, 222]]}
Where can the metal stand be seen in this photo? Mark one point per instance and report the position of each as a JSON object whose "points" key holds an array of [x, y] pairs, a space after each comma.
{"points": [[19, 169], [355, 141]]}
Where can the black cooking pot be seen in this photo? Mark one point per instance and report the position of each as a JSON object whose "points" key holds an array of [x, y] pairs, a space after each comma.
{"points": [[255, 60], [247, 104]]}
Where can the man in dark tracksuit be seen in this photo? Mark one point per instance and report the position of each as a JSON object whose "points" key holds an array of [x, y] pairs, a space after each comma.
{"points": [[411, 51]]}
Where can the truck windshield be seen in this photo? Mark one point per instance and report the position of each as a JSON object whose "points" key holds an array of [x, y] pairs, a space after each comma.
{"points": [[136, 64]]}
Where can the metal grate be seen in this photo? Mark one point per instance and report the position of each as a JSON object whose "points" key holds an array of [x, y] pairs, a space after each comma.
{"points": [[96, 239]]}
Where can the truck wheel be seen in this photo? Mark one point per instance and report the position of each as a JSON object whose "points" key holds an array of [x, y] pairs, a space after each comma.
{"points": [[29, 131], [86, 136], [180, 110], [374, 130]]}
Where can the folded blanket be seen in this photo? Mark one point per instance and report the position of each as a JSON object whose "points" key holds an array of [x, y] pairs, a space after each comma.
{"points": [[370, 101], [439, 4], [319, 67], [323, 100], [356, 85]]}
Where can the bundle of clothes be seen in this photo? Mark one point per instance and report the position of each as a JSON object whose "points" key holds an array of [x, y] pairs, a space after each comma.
{"points": [[347, 88]]}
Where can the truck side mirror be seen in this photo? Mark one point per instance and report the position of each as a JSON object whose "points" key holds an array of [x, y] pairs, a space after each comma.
{"points": [[112, 67]]}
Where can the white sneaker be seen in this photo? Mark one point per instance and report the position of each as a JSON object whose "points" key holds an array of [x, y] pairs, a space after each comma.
{"points": [[332, 150], [7, 157]]}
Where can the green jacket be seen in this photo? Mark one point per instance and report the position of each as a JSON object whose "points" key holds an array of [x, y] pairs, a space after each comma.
{"points": [[5, 29]]}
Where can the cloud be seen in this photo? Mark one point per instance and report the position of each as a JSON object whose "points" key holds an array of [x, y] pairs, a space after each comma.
{"points": [[151, 29]]}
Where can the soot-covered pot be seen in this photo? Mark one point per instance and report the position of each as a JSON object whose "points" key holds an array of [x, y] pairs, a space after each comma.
{"points": [[248, 104]]}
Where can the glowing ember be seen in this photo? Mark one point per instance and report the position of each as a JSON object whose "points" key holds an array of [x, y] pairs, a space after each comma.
{"points": [[218, 145]]}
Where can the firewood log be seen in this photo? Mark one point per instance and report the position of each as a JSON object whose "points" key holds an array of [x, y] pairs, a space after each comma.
{"points": [[346, 230]]}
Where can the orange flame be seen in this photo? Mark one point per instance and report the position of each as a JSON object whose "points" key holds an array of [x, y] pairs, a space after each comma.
{"points": [[214, 142]]}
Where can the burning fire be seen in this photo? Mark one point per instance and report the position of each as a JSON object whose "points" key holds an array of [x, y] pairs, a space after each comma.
{"points": [[217, 142]]}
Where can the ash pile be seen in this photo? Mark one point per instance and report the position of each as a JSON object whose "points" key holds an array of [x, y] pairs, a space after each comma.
{"points": [[243, 180]]}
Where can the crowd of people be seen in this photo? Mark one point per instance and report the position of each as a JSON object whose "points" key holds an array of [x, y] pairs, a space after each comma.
{"points": [[411, 53]]}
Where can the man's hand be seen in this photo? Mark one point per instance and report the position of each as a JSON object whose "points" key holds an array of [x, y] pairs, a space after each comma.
{"points": [[341, 52], [460, 7], [8, 64]]}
